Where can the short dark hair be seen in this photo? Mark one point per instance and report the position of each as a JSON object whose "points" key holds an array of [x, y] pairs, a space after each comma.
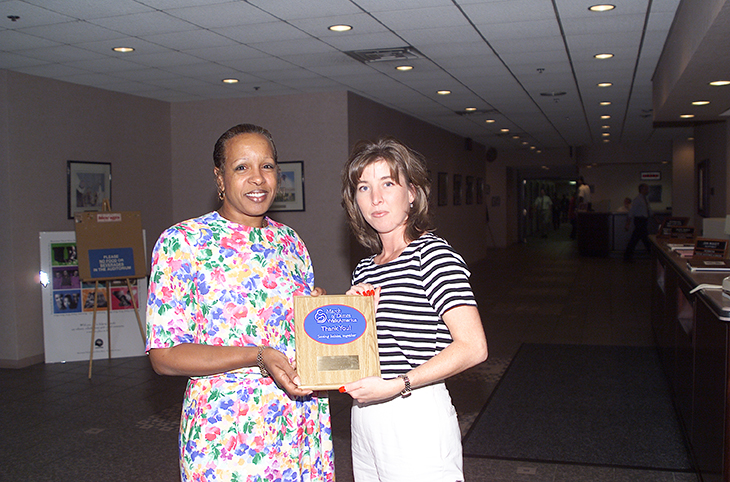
{"points": [[219, 151], [407, 167]]}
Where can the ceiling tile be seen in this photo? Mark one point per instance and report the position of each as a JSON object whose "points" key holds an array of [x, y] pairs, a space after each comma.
{"points": [[143, 24], [220, 15]]}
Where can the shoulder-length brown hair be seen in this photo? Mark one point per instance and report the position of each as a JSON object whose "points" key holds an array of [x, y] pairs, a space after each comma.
{"points": [[407, 168]]}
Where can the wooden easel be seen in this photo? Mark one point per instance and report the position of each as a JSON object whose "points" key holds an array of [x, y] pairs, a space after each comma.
{"points": [[108, 319], [105, 232]]}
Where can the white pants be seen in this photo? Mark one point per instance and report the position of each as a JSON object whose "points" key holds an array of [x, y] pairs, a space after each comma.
{"points": [[408, 439]]}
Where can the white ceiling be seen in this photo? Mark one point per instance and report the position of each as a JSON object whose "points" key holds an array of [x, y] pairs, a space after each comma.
{"points": [[497, 56]]}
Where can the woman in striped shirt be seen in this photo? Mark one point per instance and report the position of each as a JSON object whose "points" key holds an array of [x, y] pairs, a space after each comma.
{"points": [[404, 425]]}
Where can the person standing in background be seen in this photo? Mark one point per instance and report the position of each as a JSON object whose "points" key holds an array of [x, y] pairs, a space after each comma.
{"points": [[584, 195], [640, 213], [626, 207], [543, 213]]}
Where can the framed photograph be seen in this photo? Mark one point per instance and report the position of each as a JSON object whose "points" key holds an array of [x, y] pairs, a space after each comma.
{"points": [[89, 184], [480, 190], [469, 190], [291, 187], [457, 189], [703, 188], [443, 188], [655, 194]]}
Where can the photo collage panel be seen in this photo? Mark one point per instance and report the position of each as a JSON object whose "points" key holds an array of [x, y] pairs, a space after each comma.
{"points": [[71, 295]]}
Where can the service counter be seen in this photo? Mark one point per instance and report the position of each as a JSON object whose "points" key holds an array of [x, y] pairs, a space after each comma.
{"points": [[691, 333], [602, 233]]}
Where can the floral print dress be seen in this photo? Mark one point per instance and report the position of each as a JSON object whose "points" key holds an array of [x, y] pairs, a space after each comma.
{"points": [[216, 282]]}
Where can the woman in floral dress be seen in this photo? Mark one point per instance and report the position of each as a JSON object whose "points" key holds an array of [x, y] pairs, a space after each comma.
{"points": [[220, 311]]}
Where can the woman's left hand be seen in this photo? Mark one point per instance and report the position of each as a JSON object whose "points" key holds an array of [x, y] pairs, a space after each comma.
{"points": [[373, 389], [283, 373]]}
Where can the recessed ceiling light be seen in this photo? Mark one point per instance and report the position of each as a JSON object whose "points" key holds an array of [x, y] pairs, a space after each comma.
{"points": [[524, 143], [490, 121], [605, 7], [538, 151], [340, 28], [687, 116], [404, 68], [515, 136], [701, 102], [123, 50], [532, 147], [719, 83], [605, 84], [605, 127], [605, 102], [552, 94], [443, 92], [605, 117], [504, 129], [602, 56], [606, 140], [606, 134], [230, 81], [470, 109], [690, 138]]}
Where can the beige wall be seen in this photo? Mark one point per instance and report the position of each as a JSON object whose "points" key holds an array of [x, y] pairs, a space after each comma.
{"points": [[44, 124], [161, 157]]}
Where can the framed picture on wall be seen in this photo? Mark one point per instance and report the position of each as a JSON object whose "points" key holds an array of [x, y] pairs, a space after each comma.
{"points": [[703, 188], [469, 190], [480, 190], [655, 194], [291, 187], [88, 184], [457, 189], [443, 189]]}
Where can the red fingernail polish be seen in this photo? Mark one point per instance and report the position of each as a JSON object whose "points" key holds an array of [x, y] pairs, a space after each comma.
{"points": [[342, 389]]}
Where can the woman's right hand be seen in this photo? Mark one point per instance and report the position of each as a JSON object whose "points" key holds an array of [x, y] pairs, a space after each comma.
{"points": [[365, 289]]}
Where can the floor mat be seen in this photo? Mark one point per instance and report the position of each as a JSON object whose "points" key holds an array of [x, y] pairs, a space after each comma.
{"points": [[597, 405]]}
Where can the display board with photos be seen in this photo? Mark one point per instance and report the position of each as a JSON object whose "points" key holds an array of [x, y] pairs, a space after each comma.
{"points": [[68, 306]]}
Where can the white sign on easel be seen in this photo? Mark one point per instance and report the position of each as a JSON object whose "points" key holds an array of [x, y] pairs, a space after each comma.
{"points": [[68, 306]]}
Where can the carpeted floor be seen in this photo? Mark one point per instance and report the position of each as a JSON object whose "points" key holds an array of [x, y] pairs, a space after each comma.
{"points": [[597, 405]]}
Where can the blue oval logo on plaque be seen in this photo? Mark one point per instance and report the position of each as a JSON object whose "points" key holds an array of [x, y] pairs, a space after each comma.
{"points": [[335, 324]]}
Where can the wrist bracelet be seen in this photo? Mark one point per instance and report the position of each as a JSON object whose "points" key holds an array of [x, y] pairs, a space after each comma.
{"points": [[407, 388], [260, 361]]}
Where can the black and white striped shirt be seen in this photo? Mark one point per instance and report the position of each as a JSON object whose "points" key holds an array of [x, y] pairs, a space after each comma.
{"points": [[417, 288]]}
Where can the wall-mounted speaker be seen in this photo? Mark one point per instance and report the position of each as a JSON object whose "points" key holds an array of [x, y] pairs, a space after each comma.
{"points": [[491, 154]]}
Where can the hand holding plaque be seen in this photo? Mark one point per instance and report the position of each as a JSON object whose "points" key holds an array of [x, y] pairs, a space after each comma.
{"points": [[336, 340]]}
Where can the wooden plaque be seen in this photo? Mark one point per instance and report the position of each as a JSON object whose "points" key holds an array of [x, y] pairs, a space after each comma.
{"points": [[708, 248], [337, 342]]}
